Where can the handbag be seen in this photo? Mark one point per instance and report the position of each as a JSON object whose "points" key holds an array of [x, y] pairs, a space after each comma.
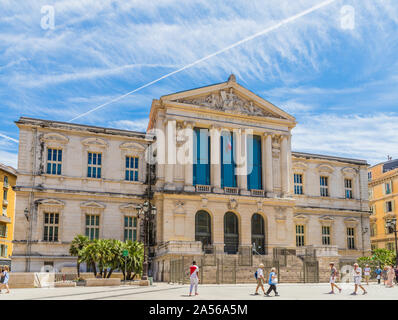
{"points": [[275, 281]]}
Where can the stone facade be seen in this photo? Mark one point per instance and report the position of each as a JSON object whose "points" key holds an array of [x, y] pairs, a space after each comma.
{"points": [[217, 108]]}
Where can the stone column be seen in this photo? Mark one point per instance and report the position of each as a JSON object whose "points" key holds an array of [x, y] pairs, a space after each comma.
{"points": [[241, 162], [160, 148], [188, 157], [289, 166], [284, 165], [268, 180], [215, 159], [170, 154]]}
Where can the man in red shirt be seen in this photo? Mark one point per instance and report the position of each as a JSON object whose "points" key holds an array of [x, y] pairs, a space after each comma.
{"points": [[194, 277]]}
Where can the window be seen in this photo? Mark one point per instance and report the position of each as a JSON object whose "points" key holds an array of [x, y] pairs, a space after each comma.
{"points": [[373, 247], [231, 233], [201, 156], [298, 183], [3, 250], [389, 227], [94, 165], [258, 234], [254, 162], [348, 188], [3, 230], [369, 176], [391, 246], [54, 161], [300, 239], [388, 206], [5, 211], [350, 238], [373, 230], [130, 228], [324, 187], [5, 181], [92, 226], [325, 235], [228, 165], [51, 223], [203, 227], [131, 168], [387, 187], [370, 193], [5, 194]]}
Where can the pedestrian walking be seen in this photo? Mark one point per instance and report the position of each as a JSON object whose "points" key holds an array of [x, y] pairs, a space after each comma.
{"points": [[5, 277], [366, 273], [378, 274], [194, 278], [390, 277], [358, 279], [333, 276], [272, 281], [260, 278], [384, 274], [1, 276]]}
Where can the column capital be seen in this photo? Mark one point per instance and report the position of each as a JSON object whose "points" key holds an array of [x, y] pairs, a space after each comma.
{"points": [[215, 127], [189, 124]]}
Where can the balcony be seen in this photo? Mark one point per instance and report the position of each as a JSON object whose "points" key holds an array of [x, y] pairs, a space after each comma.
{"points": [[5, 219], [202, 188], [257, 193], [230, 190]]}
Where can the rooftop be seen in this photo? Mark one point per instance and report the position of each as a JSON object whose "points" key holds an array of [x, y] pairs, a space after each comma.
{"points": [[326, 157], [8, 169]]}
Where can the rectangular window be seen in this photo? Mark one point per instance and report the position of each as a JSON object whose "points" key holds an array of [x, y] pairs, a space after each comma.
{"points": [[254, 162], [5, 194], [201, 156], [5, 181], [389, 206], [3, 250], [348, 188], [51, 225], [54, 161], [387, 186], [373, 230], [300, 238], [391, 246], [350, 238], [92, 226], [130, 228], [5, 211], [3, 230], [298, 183], [94, 165], [324, 186], [326, 235], [131, 173], [369, 176]]}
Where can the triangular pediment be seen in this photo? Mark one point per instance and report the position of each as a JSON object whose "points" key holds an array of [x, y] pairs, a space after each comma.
{"points": [[229, 97]]}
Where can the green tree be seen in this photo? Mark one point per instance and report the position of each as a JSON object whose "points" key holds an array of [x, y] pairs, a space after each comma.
{"points": [[76, 247], [379, 257], [134, 262]]}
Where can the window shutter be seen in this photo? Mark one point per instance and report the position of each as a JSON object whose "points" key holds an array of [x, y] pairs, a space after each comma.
{"points": [[385, 207], [393, 205], [384, 188]]}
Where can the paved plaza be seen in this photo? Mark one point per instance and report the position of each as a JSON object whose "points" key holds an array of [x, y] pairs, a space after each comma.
{"points": [[163, 291]]}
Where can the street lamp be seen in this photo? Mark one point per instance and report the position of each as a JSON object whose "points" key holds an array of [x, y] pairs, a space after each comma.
{"points": [[143, 211], [391, 224]]}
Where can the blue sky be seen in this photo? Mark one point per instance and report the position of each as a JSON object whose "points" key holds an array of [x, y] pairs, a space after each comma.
{"points": [[340, 84]]}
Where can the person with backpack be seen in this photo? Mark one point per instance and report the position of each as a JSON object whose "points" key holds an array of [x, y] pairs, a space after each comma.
{"points": [[5, 277], [333, 276], [259, 275], [272, 281]]}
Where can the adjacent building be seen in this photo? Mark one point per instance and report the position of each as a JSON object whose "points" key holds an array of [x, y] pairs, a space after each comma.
{"points": [[8, 177], [226, 183], [383, 197]]}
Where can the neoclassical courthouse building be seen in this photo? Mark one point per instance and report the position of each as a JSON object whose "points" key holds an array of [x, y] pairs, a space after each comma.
{"points": [[226, 181]]}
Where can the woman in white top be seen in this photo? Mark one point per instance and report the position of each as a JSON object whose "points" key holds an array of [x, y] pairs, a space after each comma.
{"points": [[260, 278]]}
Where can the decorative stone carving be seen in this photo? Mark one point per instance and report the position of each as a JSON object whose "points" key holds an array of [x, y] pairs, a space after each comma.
{"points": [[179, 207], [204, 202], [232, 204], [228, 101]]}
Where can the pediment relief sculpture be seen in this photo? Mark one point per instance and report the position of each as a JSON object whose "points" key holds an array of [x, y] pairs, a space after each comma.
{"points": [[95, 142], [228, 101], [54, 137], [132, 146]]}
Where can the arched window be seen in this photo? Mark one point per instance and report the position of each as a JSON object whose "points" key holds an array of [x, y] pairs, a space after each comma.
{"points": [[231, 233], [203, 227], [258, 233]]}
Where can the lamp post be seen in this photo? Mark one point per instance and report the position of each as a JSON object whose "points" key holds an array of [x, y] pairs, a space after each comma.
{"points": [[144, 211], [392, 227]]}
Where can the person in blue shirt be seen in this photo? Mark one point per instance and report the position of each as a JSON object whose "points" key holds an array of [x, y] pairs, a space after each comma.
{"points": [[272, 281], [378, 274]]}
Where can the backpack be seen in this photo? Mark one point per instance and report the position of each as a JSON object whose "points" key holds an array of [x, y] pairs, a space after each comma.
{"points": [[255, 274]]}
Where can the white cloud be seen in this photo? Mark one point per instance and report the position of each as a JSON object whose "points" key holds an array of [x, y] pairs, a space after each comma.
{"points": [[133, 125], [9, 158], [371, 137]]}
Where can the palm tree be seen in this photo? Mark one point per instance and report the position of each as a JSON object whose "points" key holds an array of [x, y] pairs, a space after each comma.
{"points": [[90, 254], [77, 245]]}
